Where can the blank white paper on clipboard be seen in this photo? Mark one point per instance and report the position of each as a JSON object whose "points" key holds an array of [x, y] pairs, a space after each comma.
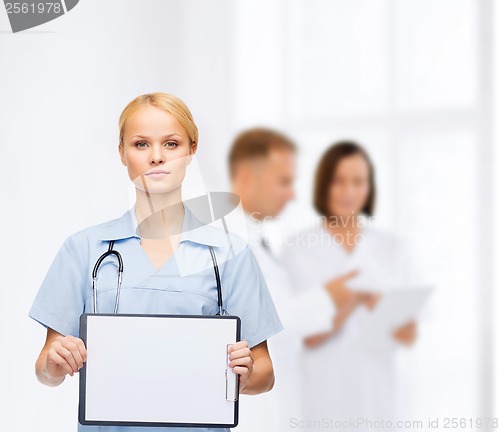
{"points": [[158, 370]]}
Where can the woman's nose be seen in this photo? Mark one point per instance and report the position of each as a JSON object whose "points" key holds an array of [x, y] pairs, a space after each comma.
{"points": [[157, 155]]}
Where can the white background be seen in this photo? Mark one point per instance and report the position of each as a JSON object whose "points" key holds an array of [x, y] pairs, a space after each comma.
{"points": [[411, 80]]}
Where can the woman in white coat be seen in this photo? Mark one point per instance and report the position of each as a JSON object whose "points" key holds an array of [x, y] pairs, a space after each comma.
{"points": [[348, 382]]}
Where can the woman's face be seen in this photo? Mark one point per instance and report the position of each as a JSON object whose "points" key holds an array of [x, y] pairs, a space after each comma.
{"points": [[156, 150], [350, 186]]}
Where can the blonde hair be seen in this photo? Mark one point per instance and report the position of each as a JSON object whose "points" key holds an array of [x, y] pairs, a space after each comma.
{"points": [[169, 103]]}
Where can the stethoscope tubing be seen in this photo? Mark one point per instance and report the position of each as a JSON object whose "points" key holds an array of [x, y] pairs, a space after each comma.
{"points": [[112, 251]]}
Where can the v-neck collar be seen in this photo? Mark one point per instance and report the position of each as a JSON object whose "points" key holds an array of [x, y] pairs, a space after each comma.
{"points": [[165, 265], [192, 230], [347, 254]]}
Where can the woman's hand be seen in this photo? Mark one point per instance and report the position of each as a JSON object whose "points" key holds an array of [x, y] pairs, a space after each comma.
{"points": [[60, 356], [241, 361], [342, 297], [369, 299], [346, 301], [257, 373], [406, 334], [66, 355]]}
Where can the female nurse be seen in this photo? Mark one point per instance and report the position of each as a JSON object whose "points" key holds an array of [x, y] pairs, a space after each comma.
{"points": [[363, 380], [167, 264]]}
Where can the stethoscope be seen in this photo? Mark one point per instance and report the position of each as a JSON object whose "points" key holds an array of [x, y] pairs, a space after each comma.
{"points": [[112, 251]]}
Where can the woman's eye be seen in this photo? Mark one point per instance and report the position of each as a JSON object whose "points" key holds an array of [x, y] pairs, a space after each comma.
{"points": [[142, 144]]}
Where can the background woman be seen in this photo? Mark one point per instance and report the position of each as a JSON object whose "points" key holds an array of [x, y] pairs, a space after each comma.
{"points": [[345, 376]]}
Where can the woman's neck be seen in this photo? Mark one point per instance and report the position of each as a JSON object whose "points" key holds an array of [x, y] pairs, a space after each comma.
{"points": [[159, 215], [345, 229]]}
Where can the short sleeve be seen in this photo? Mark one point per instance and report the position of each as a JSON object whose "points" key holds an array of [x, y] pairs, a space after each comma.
{"points": [[250, 299], [61, 298]]}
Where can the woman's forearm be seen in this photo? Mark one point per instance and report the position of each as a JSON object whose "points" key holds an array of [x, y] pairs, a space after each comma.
{"points": [[262, 378], [316, 340]]}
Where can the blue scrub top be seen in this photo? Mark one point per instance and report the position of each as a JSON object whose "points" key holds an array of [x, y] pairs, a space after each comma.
{"points": [[184, 285]]}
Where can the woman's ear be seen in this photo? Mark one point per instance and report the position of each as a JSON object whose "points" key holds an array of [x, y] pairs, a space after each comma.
{"points": [[122, 154], [192, 152]]}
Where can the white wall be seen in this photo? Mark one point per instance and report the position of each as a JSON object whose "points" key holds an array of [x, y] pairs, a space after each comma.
{"points": [[496, 213]]}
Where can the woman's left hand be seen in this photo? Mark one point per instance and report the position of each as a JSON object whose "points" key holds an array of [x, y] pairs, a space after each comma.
{"points": [[241, 361], [406, 334]]}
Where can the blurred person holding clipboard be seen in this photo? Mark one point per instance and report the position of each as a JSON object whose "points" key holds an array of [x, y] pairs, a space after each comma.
{"points": [[158, 238]]}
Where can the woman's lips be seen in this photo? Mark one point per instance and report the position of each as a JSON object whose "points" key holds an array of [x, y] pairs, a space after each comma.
{"points": [[157, 174]]}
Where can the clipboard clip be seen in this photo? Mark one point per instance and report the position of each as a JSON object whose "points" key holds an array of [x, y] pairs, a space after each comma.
{"points": [[232, 381]]}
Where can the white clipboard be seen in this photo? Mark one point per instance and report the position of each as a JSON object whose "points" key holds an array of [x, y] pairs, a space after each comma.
{"points": [[395, 308], [158, 370]]}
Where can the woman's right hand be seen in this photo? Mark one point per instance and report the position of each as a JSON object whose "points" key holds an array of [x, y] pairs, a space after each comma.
{"points": [[341, 295], [345, 300], [66, 355]]}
